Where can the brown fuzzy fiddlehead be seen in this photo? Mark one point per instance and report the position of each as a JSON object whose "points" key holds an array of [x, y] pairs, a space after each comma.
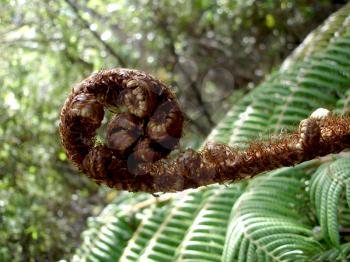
{"points": [[147, 126]]}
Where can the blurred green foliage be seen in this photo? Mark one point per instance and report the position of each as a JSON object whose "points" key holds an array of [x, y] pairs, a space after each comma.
{"points": [[205, 49]]}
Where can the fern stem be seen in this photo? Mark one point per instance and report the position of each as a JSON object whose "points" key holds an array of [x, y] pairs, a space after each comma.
{"points": [[139, 140]]}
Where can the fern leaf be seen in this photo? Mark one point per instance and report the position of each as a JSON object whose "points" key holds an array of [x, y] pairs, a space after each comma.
{"points": [[335, 254], [205, 238], [166, 235], [144, 233], [264, 221], [108, 234], [326, 188]]}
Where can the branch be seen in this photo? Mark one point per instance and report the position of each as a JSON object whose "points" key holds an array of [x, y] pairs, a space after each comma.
{"points": [[33, 40], [193, 84], [96, 35]]}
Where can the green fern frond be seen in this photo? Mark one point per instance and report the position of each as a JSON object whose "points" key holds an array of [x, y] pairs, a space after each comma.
{"points": [[253, 121], [267, 217], [205, 239], [168, 233], [319, 38], [108, 234], [291, 94], [144, 232], [223, 130], [319, 83], [341, 254], [343, 104], [326, 187]]}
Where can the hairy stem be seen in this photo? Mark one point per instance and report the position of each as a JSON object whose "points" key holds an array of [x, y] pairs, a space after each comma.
{"points": [[148, 126]]}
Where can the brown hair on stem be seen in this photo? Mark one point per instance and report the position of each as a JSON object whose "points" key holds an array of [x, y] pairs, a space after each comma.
{"points": [[147, 126]]}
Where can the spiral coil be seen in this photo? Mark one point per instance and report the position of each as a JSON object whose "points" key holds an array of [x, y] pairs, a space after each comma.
{"points": [[147, 125]]}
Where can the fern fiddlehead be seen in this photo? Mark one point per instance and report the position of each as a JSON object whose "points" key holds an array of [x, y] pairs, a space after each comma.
{"points": [[147, 126]]}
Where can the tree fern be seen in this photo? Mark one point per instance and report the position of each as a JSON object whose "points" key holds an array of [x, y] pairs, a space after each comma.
{"points": [[276, 216]]}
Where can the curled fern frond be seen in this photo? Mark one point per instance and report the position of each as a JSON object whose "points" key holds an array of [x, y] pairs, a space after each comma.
{"points": [[140, 138]]}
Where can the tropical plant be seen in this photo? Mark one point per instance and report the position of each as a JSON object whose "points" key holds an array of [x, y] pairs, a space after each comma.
{"points": [[46, 46], [299, 213]]}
